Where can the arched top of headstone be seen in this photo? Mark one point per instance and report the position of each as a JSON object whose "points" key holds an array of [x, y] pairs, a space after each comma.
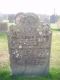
{"points": [[27, 22], [27, 19]]}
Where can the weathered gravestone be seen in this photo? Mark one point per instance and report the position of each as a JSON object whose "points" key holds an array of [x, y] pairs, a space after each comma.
{"points": [[29, 46]]}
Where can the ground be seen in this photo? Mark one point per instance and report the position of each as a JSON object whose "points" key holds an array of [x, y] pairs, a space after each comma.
{"points": [[54, 73]]}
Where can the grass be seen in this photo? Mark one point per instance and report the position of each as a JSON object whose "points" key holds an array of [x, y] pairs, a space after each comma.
{"points": [[3, 41], [54, 73], [55, 48]]}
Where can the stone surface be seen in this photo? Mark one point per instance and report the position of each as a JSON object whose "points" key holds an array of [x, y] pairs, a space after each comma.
{"points": [[29, 45]]}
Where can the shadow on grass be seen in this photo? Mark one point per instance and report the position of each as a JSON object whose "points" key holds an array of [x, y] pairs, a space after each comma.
{"points": [[55, 29], [53, 75]]}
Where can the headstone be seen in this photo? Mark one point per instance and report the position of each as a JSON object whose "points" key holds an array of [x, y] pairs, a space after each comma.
{"points": [[29, 45], [3, 27]]}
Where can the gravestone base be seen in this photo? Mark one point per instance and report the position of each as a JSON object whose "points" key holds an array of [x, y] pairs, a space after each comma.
{"points": [[30, 70]]}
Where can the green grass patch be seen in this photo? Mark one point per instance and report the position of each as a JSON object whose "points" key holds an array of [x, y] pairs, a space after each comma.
{"points": [[55, 48], [3, 41]]}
